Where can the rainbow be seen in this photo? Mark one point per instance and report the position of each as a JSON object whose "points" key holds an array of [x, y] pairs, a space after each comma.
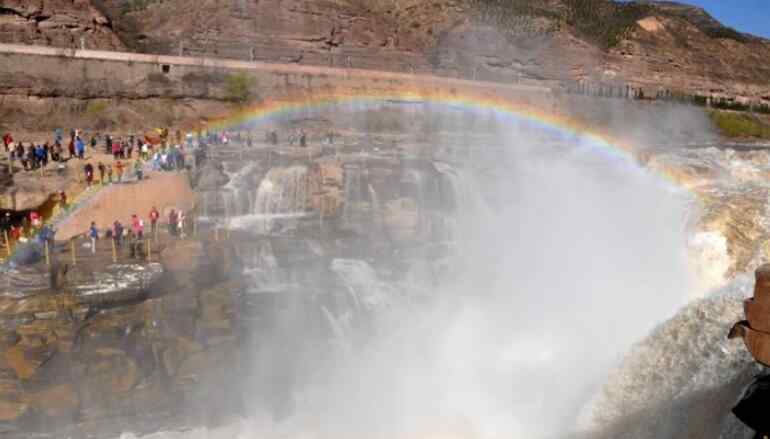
{"points": [[598, 141]]}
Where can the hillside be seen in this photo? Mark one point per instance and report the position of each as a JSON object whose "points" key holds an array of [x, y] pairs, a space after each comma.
{"points": [[660, 47]]}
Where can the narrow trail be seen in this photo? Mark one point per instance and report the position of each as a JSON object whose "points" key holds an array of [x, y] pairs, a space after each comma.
{"points": [[83, 200]]}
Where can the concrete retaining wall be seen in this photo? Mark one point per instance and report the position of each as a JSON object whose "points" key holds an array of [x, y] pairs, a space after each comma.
{"points": [[58, 72]]}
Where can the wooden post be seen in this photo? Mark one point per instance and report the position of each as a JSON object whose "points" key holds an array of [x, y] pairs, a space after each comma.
{"points": [[321, 203], [47, 254], [149, 251], [114, 252], [7, 243], [74, 254]]}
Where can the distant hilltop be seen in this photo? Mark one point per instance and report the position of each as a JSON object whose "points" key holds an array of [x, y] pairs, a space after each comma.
{"points": [[660, 47]]}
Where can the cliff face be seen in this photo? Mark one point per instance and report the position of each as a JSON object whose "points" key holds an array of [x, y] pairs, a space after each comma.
{"points": [[654, 46], [63, 23]]}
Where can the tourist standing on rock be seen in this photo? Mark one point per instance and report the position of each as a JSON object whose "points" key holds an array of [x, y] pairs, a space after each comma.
{"points": [[133, 252], [22, 156], [37, 157], [93, 143], [154, 217], [173, 219], [180, 224], [138, 169], [57, 154], [71, 149], [47, 153], [80, 147], [145, 151], [93, 234], [89, 170], [116, 150], [102, 170], [302, 139], [117, 233], [119, 170], [30, 158], [137, 226], [7, 141], [62, 200], [5, 223], [109, 173], [16, 232], [35, 219], [179, 158]]}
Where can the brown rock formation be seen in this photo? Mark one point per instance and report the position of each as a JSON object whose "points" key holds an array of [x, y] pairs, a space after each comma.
{"points": [[63, 23], [673, 46], [109, 360]]}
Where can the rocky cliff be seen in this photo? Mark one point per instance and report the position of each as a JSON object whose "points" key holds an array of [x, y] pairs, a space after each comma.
{"points": [[90, 348], [63, 23], [659, 47]]}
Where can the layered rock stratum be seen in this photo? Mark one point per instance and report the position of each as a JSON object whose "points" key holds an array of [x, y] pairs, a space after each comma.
{"points": [[658, 47]]}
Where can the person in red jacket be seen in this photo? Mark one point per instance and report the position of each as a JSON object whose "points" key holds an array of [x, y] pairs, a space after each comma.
{"points": [[7, 140]]}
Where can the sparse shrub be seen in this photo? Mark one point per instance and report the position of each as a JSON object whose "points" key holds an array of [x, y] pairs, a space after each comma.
{"points": [[602, 22], [739, 125], [726, 33], [96, 108], [725, 104], [239, 88]]}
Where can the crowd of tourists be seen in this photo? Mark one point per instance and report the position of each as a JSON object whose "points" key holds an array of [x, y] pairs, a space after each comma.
{"points": [[134, 231], [129, 154]]}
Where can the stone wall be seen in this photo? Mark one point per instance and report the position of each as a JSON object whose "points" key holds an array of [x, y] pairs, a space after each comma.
{"points": [[84, 74]]}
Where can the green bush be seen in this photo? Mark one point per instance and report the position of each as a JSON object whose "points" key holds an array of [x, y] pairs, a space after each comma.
{"points": [[238, 88], [96, 108], [738, 125]]}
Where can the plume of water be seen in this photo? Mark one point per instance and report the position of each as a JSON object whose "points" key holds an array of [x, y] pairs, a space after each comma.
{"points": [[549, 289]]}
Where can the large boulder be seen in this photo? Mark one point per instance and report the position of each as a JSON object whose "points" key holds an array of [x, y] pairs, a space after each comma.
{"points": [[115, 283]]}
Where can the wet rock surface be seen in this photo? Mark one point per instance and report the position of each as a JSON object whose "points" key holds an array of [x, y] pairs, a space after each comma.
{"points": [[119, 346]]}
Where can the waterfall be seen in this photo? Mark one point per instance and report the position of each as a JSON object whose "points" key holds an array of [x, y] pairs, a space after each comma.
{"points": [[469, 209], [235, 194], [352, 191], [282, 196], [687, 365], [362, 283]]}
